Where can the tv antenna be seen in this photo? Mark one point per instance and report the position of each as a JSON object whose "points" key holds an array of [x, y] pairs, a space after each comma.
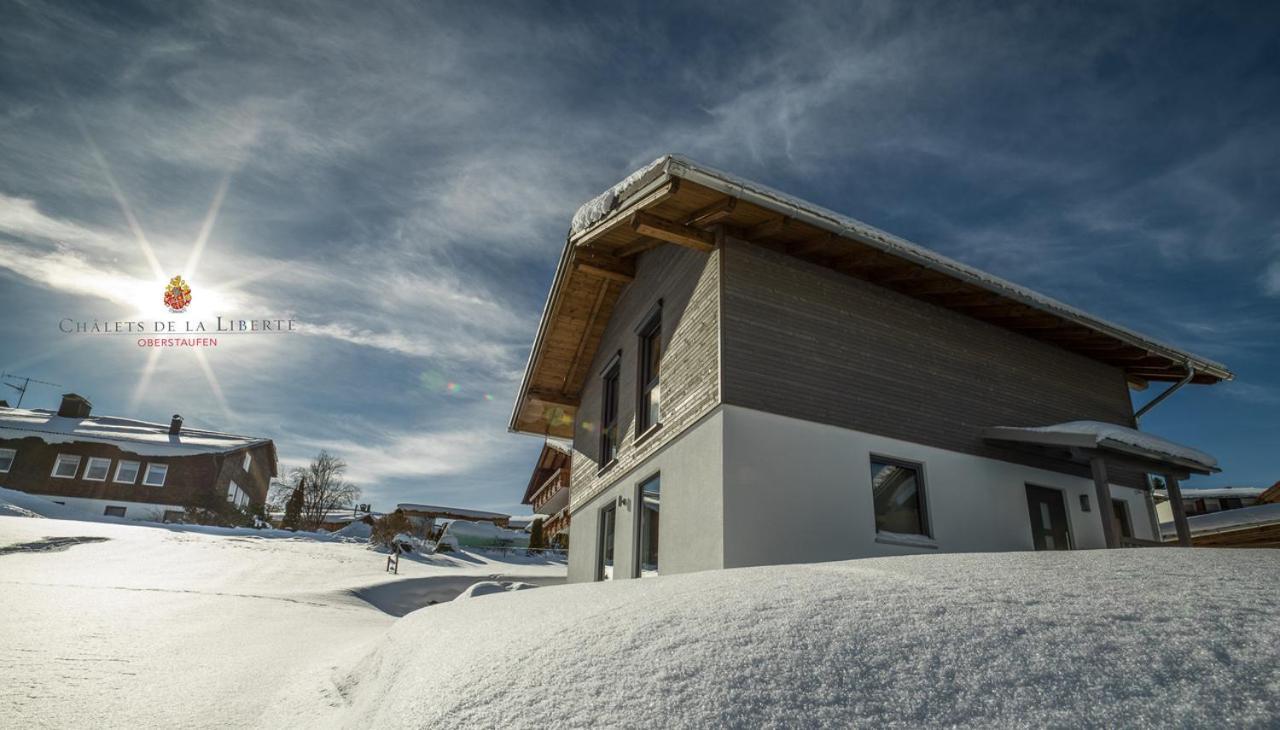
{"points": [[26, 383]]}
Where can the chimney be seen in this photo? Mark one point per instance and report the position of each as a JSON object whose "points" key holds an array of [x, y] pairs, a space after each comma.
{"points": [[74, 406], [175, 426]]}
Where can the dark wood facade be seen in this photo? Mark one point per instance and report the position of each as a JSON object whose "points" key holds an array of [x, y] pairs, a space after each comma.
{"points": [[32, 471]]}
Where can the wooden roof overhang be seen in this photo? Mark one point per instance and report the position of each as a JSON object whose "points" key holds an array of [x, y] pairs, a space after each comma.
{"points": [[551, 459], [679, 202]]}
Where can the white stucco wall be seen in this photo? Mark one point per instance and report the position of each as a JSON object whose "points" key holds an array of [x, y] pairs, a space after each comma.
{"points": [[797, 491], [97, 507], [691, 530]]}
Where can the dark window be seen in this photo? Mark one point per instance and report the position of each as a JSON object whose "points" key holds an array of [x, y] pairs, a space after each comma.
{"points": [[650, 498], [898, 491], [609, 417], [1231, 503], [1120, 517], [648, 406], [608, 523], [114, 512]]}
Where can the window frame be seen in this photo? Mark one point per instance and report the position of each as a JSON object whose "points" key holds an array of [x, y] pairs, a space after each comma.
{"points": [[146, 474], [107, 512], [922, 495], [88, 466], [602, 541], [648, 335], [137, 465], [638, 523], [13, 456], [610, 420], [58, 461]]}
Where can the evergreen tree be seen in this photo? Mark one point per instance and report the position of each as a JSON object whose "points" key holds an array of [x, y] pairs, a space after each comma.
{"points": [[536, 539], [293, 508]]}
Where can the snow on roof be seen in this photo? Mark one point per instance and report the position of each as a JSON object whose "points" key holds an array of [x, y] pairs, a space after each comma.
{"points": [[457, 511], [599, 207], [1211, 492], [1228, 520], [139, 437], [564, 446], [956, 640], [1109, 436]]}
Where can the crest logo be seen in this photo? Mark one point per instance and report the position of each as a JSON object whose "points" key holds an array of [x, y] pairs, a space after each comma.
{"points": [[177, 295]]}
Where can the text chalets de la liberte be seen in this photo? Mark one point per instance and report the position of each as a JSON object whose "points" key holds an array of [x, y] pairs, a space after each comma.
{"points": [[158, 326]]}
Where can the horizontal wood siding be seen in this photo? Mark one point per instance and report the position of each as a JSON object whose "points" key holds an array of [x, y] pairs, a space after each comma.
{"points": [[688, 284], [810, 343]]}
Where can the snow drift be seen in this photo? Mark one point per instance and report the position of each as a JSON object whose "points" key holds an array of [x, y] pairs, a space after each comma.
{"points": [[1102, 638]]}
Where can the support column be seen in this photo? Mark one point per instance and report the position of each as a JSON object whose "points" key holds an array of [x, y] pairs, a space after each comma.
{"points": [[1179, 512], [1103, 491]]}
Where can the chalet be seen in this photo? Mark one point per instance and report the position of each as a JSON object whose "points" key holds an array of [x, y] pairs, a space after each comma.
{"points": [[120, 467], [1228, 516], [548, 490], [780, 383]]}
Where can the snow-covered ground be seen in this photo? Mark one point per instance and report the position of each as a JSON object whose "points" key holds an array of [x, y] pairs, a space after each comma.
{"points": [[1121, 638], [116, 625], [150, 626]]}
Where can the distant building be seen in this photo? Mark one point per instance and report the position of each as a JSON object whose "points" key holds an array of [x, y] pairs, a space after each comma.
{"points": [[120, 467], [548, 490], [1247, 517], [1209, 500]]}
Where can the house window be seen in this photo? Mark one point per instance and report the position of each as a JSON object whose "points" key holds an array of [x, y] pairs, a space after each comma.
{"points": [[114, 512], [66, 466], [608, 523], [248, 461], [1120, 518], [609, 417], [648, 405], [155, 475], [1226, 502], [649, 502], [97, 469], [127, 471], [897, 488], [236, 495], [6, 460]]}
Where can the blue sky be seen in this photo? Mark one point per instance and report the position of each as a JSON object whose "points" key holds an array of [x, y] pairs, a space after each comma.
{"points": [[399, 177]]}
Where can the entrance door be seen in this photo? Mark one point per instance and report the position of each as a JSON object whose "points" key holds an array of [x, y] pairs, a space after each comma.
{"points": [[1048, 519]]}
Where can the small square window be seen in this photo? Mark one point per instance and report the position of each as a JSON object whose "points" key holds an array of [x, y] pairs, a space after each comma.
{"points": [[898, 491], [66, 466], [127, 471], [6, 460], [114, 512], [97, 469], [155, 475]]}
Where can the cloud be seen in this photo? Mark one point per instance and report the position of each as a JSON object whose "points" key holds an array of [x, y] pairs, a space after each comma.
{"points": [[417, 455]]}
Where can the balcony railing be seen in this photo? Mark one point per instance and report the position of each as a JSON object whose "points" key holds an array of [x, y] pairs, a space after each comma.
{"points": [[555, 488]]}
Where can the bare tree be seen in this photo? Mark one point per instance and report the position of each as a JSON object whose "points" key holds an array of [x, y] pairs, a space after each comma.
{"points": [[324, 490]]}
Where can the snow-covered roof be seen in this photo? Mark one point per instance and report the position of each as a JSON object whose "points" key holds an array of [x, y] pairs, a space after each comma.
{"points": [[598, 208], [455, 511], [564, 446], [1229, 519], [139, 437], [1212, 492], [1109, 437]]}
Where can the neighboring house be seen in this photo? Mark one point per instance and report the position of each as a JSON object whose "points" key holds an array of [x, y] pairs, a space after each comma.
{"points": [[1247, 527], [782, 384], [120, 467], [1201, 501], [548, 490], [424, 517]]}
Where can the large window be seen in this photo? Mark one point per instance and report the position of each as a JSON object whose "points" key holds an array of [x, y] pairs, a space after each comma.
{"points": [[609, 417], [648, 405], [66, 466], [608, 525], [649, 501], [97, 469], [236, 495], [127, 471], [898, 491], [156, 474], [6, 460]]}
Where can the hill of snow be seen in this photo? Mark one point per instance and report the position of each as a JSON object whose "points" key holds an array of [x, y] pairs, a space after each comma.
{"points": [[111, 624], [1158, 637]]}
